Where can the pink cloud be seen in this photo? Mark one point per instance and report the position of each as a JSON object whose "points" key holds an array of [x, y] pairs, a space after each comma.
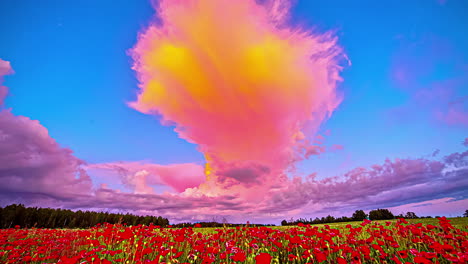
{"points": [[190, 73], [313, 150], [139, 175], [320, 138], [5, 69], [389, 185], [337, 147], [31, 161], [247, 173], [456, 112]]}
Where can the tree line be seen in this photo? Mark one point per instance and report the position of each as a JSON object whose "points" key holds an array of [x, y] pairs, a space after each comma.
{"points": [[216, 224], [358, 215], [26, 217]]}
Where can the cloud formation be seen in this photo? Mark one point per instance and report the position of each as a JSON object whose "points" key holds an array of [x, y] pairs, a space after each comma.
{"points": [[393, 184], [457, 112], [32, 163], [5, 69], [235, 78], [139, 176]]}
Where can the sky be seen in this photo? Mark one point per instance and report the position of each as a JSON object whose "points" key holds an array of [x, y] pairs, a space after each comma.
{"points": [[252, 110]]}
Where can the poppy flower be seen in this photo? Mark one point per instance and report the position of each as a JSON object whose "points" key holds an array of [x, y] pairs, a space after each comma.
{"points": [[239, 256], [263, 258]]}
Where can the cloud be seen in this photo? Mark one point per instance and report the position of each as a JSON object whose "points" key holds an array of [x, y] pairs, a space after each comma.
{"points": [[219, 72], [138, 176], [388, 185], [176, 207], [457, 159], [393, 183], [5, 69], [31, 162], [248, 173], [337, 147], [456, 113]]}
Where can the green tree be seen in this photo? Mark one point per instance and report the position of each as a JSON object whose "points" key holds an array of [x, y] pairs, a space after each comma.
{"points": [[381, 214], [329, 219], [411, 215], [359, 215], [14, 214]]}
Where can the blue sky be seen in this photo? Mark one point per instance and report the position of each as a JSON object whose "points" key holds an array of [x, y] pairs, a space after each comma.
{"points": [[73, 74]]}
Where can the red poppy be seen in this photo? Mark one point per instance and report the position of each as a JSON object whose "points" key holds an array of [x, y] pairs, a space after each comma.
{"points": [[320, 256], [341, 261], [403, 253], [421, 260], [263, 258], [292, 257], [239, 256]]}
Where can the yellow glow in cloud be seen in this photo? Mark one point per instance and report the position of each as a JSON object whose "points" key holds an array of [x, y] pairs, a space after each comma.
{"points": [[237, 81]]}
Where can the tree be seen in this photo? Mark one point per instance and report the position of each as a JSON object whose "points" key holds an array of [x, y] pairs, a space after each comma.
{"points": [[465, 214], [284, 222], [329, 219], [411, 215], [381, 214], [359, 215]]}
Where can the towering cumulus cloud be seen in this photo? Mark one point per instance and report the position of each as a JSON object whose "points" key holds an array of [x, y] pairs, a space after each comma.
{"points": [[237, 80]]}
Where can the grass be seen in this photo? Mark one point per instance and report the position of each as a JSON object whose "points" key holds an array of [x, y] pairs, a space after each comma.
{"points": [[458, 222]]}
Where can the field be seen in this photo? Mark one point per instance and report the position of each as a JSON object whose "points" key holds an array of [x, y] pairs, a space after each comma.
{"points": [[398, 241]]}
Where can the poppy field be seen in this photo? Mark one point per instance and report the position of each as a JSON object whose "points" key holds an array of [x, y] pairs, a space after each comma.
{"points": [[366, 242]]}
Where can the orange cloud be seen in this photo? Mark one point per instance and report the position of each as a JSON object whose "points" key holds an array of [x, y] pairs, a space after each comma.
{"points": [[237, 80]]}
